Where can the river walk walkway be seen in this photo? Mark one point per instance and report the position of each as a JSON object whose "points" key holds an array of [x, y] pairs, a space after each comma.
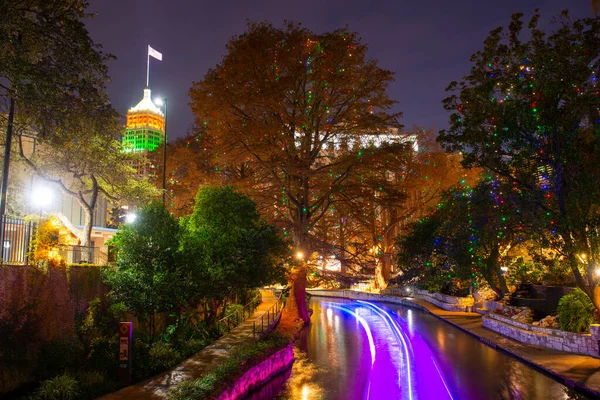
{"points": [[574, 370], [200, 363]]}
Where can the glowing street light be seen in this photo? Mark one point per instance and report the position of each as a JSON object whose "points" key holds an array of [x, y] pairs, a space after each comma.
{"points": [[300, 255], [130, 218], [41, 196]]}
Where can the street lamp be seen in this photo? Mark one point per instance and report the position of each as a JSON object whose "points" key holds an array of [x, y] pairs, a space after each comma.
{"points": [[161, 102], [300, 255], [41, 196], [130, 218]]}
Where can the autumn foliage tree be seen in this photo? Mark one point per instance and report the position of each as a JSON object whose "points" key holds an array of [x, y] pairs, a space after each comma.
{"points": [[285, 110], [528, 111], [188, 168]]}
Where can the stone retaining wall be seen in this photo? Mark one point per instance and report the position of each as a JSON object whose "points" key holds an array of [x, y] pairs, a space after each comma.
{"points": [[351, 294], [461, 301], [449, 303], [545, 337], [260, 374]]}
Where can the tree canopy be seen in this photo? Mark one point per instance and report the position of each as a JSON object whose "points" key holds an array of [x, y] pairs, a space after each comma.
{"points": [[289, 114], [228, 244], [48, 62], [528, 111]]}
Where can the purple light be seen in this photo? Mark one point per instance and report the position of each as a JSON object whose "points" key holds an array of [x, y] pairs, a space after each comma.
{"points": [[407, 368]]}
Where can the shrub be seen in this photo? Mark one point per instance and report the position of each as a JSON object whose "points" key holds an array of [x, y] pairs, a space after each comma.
{"points": [[62, 387], [163, 356], [575, 312], [102, 354], [59, 356], [100, 319], [95, 384], [150, 358]]}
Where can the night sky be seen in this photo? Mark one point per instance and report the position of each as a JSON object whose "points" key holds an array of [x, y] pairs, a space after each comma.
{"points": [[426, 42]]}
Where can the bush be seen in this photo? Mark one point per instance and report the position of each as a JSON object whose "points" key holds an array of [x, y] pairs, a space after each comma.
{"points": [[575, 312], [163, 356], [59, 356], [100, 319], [62, 387], [95, 384], [102, 354], [150, 358]]}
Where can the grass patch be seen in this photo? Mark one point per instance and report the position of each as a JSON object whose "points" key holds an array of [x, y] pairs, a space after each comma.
{"points": [[242, 358]]}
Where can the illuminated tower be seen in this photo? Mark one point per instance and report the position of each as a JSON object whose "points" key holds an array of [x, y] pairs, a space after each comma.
{"points": [[144, 133]]}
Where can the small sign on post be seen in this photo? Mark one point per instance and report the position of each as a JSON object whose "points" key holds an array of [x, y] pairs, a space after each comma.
{"points": [[125, 342]]}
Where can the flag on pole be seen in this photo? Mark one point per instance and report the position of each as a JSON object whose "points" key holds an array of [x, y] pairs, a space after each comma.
{"points": [[154, 53]]}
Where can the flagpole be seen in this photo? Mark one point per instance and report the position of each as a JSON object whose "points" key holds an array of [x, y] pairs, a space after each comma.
{"points": [[148, 67]]}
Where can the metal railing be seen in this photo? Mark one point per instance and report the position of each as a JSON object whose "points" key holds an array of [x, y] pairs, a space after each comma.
{"points": [[227, 323], [270, 317], [75, 254], [15, 238]]}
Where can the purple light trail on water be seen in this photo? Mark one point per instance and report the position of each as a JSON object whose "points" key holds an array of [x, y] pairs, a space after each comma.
{"points": [[407, 368]]}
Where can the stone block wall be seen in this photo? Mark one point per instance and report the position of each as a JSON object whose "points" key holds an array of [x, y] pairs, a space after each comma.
{"points": [[545, 337], [38, 305], [449, 303], [461, 301]]}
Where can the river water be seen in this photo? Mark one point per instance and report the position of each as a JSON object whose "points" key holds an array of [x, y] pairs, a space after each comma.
{"points": [[368, 350]]}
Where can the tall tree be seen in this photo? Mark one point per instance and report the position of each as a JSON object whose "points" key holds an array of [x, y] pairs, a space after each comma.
{"points": [[148, 276], [83, 159], [528, 111], [419, 178], [188, 168], [229, 247], [286, 110]]}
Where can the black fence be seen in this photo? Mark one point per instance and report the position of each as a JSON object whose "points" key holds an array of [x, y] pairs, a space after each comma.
{"points": [[267, 320], [226, 324], [15, 239], [81, 254]]}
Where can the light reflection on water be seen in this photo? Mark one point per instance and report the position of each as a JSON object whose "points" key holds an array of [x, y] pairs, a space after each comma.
{"points": [[333, 360]]}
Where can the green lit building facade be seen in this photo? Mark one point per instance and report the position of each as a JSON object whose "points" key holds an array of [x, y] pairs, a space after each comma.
{"points": [[144, 133]]}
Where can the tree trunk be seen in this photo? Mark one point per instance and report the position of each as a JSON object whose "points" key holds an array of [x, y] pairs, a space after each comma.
{"points": [[88, 223], [501, 280], [296, 312], [88, 209], [596, 300]]}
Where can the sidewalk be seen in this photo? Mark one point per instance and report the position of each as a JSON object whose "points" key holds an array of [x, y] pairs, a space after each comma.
{"points": [[199, 364], [573, 370]]}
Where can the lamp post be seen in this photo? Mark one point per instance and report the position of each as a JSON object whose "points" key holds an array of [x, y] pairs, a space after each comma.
{"points": [[164, 102]]}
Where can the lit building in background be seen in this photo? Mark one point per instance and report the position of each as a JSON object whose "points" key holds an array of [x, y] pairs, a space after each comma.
{"points": [[144, 133]]}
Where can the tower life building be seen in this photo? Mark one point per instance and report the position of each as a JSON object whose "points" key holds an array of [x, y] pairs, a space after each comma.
{"points": [[144, 133]]}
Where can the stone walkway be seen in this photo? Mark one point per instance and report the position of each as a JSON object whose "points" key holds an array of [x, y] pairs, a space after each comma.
{"points": [[198, 364], [573, 369]]}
